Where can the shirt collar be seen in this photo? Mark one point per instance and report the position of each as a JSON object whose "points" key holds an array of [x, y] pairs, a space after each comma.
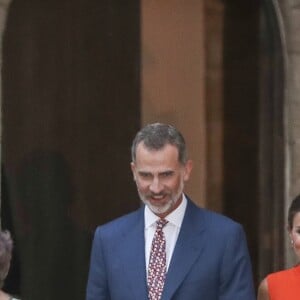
{"points": [[175, 217]]}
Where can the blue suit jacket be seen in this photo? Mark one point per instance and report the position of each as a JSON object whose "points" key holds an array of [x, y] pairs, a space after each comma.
{"points": [[210, 260]]}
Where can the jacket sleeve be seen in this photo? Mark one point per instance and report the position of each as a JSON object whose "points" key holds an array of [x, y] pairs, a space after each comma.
{"points": [[97, 287], [236, 271]]}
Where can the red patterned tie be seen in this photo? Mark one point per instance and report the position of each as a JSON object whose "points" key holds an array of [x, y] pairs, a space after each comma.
{"points": [[157, 262]]}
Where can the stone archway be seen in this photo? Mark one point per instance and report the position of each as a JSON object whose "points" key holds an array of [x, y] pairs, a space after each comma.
{"points": [[288, 15], [280, 134]]}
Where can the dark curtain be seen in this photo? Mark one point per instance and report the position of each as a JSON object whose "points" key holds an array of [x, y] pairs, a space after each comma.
{"points": [[70, 111]]}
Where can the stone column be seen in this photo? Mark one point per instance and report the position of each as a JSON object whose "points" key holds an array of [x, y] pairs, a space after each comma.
{"points": [[289, 18]]}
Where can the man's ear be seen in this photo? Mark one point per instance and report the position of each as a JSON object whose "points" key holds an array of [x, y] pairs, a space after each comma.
{"points": [[132, 165], [187, 170]]}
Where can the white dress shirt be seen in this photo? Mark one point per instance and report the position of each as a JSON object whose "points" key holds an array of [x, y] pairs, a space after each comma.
{"points": [[171, 230]]}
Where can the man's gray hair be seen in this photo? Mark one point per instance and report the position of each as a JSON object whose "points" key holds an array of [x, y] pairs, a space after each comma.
{"points": [[155, 136]]}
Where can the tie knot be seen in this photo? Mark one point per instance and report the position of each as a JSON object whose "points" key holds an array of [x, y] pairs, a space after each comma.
{"points": [[161, 223]]}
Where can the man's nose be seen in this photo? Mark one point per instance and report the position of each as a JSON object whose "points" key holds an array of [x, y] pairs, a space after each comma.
{"points": [[155, 186]]}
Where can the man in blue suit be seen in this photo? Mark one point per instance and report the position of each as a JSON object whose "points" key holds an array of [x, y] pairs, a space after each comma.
{"points": [[205, 253]]}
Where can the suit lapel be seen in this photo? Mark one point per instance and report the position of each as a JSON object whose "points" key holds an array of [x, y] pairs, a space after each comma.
{"points": [[187, 250], [133, 258]]}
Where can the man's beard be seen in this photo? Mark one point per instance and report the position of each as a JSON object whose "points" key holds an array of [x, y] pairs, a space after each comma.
{"points": [[158, 210]]}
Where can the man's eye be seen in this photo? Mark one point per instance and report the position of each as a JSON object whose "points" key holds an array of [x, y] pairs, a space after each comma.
{"points": [[167, 174], [145, 175]]}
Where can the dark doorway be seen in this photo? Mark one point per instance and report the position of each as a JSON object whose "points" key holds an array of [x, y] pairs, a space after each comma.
{"points": [[241, 114], [70, 110], [253, 129]]}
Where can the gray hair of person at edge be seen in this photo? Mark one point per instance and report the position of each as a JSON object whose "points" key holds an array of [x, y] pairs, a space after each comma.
{"points": [[156, 135], [6, 246], [293, 210]]}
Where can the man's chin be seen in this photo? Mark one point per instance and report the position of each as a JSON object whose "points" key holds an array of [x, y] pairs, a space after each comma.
{"points": [[158, 209]]}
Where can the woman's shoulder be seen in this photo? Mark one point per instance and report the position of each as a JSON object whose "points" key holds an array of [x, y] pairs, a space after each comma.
{"points": [[273, 283]]}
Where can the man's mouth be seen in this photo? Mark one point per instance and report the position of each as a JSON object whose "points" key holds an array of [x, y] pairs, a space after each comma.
{"points": [[157, 197]]}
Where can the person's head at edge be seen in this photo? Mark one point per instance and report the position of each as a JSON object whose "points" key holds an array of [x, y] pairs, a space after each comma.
{"points": [[294, 225], [160, 167], [6, 246]]}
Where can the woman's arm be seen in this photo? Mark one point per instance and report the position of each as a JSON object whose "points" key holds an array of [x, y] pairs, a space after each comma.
{"points": [[263, 292]]}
